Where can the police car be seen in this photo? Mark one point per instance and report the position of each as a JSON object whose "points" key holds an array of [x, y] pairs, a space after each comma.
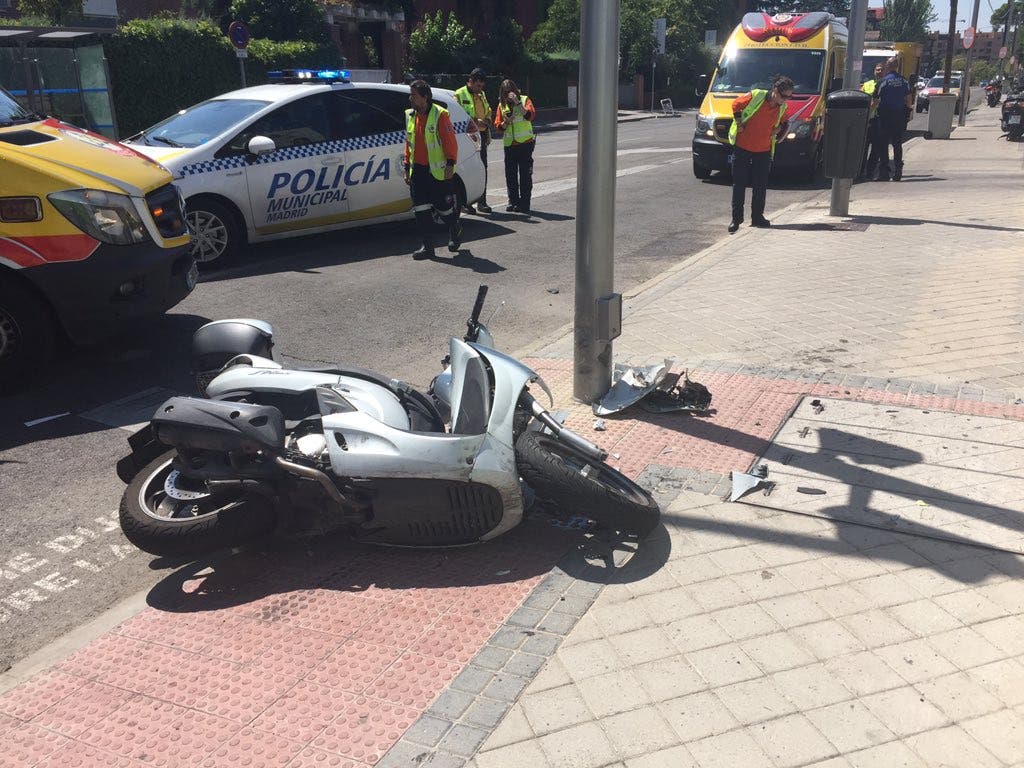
{"points": [[308, 152]]}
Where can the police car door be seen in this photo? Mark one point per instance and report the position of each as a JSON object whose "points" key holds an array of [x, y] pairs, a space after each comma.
{"points": [[298, 185], [373, 128]]}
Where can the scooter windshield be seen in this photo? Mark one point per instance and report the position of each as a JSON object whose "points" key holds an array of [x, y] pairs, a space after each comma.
{"points": [[474, 399]]}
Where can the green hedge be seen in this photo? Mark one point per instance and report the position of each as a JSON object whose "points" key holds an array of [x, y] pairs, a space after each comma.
{"points": [[159, 66]]}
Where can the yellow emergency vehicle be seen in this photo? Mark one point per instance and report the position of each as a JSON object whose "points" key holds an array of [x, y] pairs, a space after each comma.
{"points": [[810, 48], [92, 236]]}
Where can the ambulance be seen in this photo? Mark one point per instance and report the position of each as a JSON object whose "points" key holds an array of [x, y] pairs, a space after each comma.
{"points": [[311, 151], [92, 238], [810, 48]]}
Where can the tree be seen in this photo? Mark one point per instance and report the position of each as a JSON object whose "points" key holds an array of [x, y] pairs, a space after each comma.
{"points": [[505, 46], [282, 19], [52, 12], [560, 31], [1000, 15], [906, 21], [440, 43]]}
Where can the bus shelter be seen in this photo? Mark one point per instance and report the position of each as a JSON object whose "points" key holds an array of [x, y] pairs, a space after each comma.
{"points": [[60, 73]]}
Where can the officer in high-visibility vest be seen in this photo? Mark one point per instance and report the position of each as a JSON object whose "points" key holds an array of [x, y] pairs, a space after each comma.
{"points": [[874, 146], [514, 121], [758, 123], [431, 150], [473, 99]]}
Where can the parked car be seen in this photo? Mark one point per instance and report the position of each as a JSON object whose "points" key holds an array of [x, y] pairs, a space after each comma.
{"points": [[934, 86], [308, 152]]}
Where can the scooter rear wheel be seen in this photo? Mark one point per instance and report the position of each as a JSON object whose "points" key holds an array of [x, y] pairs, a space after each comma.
{"points": [[577, 484], [157, 523]]}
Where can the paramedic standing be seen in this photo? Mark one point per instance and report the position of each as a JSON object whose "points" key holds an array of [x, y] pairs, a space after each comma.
{"points": [[431, 150], [473, 99], [758, 123], [515, 121]]}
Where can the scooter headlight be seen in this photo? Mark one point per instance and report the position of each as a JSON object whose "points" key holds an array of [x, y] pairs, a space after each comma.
{"points": [[105, 216]]}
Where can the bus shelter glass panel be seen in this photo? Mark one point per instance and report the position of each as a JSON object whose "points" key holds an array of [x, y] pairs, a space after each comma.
{"points": [[92, 72]]}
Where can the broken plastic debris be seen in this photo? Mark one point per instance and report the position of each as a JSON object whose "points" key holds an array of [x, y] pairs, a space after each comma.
{"points": [[599, 425], [810, 491], [744, 482], [817, 406], [552, 290], [921, 503], [505, 572], [630, 385]]}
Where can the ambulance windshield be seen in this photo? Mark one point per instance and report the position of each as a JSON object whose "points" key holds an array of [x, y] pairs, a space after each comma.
{"points": [[197, 125], [10, 110], [745, 69]]}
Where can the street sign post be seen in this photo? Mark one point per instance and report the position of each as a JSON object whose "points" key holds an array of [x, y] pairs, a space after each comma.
{"points": [[965, 80], [238, 34]]}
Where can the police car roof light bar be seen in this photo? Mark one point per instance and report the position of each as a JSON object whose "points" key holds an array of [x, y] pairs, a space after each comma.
{"points": [[308, 76]]}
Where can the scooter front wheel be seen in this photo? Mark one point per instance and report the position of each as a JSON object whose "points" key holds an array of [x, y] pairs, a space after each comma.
{"points": [[577, 484], [195, 523]]}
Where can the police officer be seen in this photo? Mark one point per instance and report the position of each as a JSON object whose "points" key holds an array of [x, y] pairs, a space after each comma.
{"points": [[515, 122], [431, 150], [473, 99], [875, 148], [894, 96]]}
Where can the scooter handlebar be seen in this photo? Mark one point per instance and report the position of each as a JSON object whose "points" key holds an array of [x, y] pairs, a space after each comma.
{"points": [[481, 294]]}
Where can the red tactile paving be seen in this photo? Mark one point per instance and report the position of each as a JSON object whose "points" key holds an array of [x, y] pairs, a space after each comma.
{"points": [[366, 729], [324, 656]]}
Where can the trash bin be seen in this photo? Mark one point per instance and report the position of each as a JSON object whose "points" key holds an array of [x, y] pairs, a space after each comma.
{"points": [[941, 107], [846, 132]]}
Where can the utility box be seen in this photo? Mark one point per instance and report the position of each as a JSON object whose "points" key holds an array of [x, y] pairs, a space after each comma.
{"points": [[846, 132], [941, 108]]}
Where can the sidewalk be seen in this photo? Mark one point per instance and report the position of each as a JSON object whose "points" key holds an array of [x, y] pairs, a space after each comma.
{"points": [[740, 635]]}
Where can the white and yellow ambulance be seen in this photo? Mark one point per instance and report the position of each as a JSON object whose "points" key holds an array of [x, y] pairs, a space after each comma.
{"points": [[92, 238], [308, 152], [810, 48]]}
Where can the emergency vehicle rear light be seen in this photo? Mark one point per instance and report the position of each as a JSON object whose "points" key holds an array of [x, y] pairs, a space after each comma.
{"points": [[308, 76], [794, 27], [18, 210]]}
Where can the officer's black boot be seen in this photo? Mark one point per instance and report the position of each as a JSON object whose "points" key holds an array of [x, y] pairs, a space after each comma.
{"points": [[425, 224]]}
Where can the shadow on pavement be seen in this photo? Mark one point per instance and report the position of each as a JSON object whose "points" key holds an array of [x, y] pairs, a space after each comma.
{"points": [[263, 576], [900, 222], [854, 472], [465, 259]]}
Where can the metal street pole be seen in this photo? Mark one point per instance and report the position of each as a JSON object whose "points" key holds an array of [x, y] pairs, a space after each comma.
{"points": [[950, 42], [965, 81], [598, 316], [840, 202]]}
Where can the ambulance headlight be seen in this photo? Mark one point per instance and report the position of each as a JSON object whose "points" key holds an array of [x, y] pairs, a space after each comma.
{"points": [[105, 216], [703, 124], [799, 129]]}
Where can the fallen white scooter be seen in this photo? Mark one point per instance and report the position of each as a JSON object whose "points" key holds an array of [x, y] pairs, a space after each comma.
{"points": [[271, 448]]}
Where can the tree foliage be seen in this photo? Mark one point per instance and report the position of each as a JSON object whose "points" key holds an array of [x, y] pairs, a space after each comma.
{"points": [[53, 12], [906, 21], [441, 42], [1000, 15], [282, 19], [504, 48]]}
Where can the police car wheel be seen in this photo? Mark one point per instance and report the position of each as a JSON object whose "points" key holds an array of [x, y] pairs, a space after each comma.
{"points": [[215, 232], [27, 334]]}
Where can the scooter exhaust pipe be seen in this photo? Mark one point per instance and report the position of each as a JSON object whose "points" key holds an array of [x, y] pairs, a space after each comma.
{"points": [[314, 474], [567, 436]]}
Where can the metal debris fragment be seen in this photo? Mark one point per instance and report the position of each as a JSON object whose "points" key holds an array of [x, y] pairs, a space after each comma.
{"points": [[599, 425], [744, 482], [655, 388]]}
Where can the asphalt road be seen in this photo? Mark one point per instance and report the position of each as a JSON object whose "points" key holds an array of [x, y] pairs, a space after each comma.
{"points": [[352, 296]]}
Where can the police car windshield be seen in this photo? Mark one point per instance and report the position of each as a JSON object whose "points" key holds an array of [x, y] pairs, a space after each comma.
{"points": [[10, 110], [199, 124], [745, 69], [936, 82]]}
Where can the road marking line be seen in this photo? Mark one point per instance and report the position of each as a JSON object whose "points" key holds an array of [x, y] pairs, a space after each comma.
{"points": [[131, 412], [45, 419]]}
